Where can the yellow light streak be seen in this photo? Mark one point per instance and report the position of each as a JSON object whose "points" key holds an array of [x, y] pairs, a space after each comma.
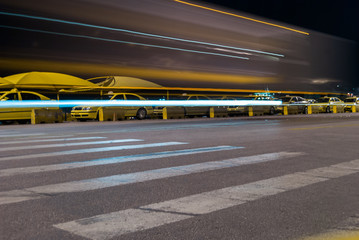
{"points": [[15, 64], [140, 72], [243, 17]]}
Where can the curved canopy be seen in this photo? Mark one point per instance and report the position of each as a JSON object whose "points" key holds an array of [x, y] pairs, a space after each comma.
{"points": [[120, 81], [5, 83], [45, 80]]}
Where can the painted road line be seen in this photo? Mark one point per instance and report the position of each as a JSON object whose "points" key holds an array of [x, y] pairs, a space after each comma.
{"points": [[91, 150], [50, 140], [114, 224], [68, 144], [22, 135], [130, 178], [104, 161]]}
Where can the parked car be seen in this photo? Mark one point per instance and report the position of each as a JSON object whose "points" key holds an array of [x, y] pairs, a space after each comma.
{"points": [[239, 110], [326, 104], [295, 104], [20, 114], [350, 102], [197, 111], [84, 113]]}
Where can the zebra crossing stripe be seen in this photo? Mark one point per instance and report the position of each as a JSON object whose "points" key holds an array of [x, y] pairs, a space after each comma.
{"points": [[130, 178], [105, 161], [114, 224], [20, 135], [68, 144], [50, 140], [92, 150]]}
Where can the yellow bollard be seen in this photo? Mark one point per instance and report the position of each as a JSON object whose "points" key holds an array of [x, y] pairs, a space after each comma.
{"points": [[100, 114], [354, 109], [310, 109], [250, 111], [211, 112], [335, 109], [164, 113], [33, 116], [285, 110]]}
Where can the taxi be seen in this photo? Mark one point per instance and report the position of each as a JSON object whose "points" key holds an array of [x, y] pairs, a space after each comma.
{"points": [[18, 114], [295, 104], [326, 104], [350, 102], [240, 110], [83, 113]]}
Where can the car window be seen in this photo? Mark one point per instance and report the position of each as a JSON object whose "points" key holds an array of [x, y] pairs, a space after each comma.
{"points": [[118, 97], [349, 100], [192, 98], [301, 99], [9, 96], [132, 97], [285, 99], [202, 98], [29, 96], [323, 100]]}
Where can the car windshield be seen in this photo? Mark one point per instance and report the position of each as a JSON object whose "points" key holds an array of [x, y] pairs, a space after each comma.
{"points": [[323, 100], [349, 100], [285, 99]]}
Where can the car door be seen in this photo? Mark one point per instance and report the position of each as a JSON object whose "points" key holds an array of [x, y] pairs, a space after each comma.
{"points": [[13, 113], [131, 111]]}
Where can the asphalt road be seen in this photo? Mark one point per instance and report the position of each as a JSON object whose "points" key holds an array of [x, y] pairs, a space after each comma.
{"points": [[278, 177]]}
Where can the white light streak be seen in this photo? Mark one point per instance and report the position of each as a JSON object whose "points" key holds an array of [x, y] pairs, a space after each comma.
{"points": [[136, 103]]}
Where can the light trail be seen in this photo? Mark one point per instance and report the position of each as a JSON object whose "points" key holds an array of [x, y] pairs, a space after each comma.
{"points": [[137, 103], [124, 42], [240, 16], [137, 33]]}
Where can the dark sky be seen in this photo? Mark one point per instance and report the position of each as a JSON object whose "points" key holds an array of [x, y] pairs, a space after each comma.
{"points": [[338, 18]]}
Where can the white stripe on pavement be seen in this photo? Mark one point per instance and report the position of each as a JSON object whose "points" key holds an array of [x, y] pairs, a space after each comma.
{"points": [[50, 140], [20, 135], [104, 161], [107, 226], [91, 150], [123, 179], [68, 144]]}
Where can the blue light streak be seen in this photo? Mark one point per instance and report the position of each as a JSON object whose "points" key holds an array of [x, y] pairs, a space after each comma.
{"points": [[137, 33], [137, 103], [124, 42]]}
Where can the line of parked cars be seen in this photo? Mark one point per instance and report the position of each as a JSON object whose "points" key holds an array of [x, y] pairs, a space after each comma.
{"points": [[294, 104]]}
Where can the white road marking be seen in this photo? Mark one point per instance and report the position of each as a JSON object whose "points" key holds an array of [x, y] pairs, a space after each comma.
{"points": [[104, 161], [49, 140], [68, 144], [20, 135], [107, 226], [124, 179], [92, 150]]}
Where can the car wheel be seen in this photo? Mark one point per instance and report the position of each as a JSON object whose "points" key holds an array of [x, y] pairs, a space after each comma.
{"points": [[141, 114], [272, 111], [327, 110]]}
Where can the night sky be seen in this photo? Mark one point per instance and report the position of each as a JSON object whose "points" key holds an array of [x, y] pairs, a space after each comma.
{"points": [[338, 18]]}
